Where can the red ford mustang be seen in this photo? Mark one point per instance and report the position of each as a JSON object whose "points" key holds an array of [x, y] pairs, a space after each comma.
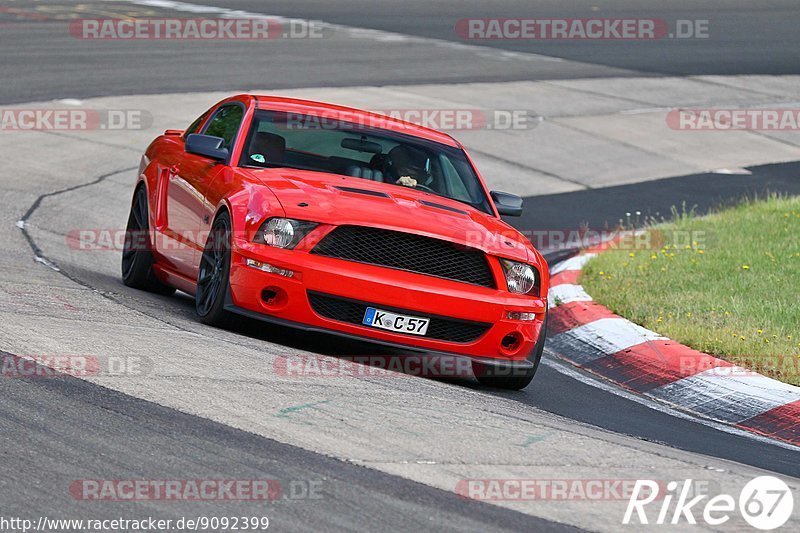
{"points": [[332, 219]]}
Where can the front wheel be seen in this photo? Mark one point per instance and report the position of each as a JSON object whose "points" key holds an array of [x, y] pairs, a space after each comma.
{"points": [[137, 259], [213, 278], [505, 377]]}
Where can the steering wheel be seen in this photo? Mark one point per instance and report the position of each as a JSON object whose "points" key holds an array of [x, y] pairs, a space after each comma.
{"points": [[424, 187]]}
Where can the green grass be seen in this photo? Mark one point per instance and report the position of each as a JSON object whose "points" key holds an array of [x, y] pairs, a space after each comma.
{"points": [[727, 284]]}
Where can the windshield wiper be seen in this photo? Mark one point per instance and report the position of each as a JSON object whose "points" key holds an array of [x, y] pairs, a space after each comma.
{"points": [[277, 165]]}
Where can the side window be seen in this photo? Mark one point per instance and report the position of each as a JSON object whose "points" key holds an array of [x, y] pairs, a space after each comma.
{"points": [[225, 123]]}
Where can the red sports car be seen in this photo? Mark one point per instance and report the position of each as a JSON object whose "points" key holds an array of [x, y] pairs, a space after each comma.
{"points": [[332, 219]]}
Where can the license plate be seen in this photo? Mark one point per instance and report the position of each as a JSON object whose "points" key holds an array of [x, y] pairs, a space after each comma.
{"points": [[378, 318]]}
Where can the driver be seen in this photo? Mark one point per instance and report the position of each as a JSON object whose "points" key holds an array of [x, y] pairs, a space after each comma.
{"points": [[408, 166]]}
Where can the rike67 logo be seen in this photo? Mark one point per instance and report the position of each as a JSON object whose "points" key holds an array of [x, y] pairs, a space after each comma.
{"points": [[765, 503]]}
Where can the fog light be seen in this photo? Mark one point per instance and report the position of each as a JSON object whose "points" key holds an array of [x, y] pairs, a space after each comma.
{"points": [[269, 296], [518, 315], [266, 267], [274, 298], [510, 342]]}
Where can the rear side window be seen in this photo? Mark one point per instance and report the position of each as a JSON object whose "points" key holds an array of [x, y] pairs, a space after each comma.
{"points": [[226, 123]]}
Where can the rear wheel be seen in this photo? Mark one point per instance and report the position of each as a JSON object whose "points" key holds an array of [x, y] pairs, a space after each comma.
{"points": [[137, 258], [213, 278], [506, 377]]}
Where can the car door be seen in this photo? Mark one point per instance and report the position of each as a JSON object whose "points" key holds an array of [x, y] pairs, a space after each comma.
{"points": [[188, 180]]}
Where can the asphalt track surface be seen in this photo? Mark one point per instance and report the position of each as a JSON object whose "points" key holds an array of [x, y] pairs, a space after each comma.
{"points": [[737, 42], [148, 440], [604, 208], [36, 47], [66, 424]]}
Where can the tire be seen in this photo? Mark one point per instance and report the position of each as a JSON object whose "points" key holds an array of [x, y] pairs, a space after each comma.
{"points": [[509, 378], [213, 279], [137, 258]]}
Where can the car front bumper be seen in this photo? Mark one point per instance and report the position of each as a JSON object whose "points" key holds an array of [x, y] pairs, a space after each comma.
{"points": [[285, 299]]}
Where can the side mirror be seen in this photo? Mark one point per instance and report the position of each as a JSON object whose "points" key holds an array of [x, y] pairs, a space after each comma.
{"points": [[207, 146], [507, 204]]}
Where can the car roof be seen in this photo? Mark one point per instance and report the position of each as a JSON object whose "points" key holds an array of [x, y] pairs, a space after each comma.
{"points": [[349, 114]]}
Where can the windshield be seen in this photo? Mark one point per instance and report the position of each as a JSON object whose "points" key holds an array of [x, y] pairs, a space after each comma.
{"points": [[279, 139]]}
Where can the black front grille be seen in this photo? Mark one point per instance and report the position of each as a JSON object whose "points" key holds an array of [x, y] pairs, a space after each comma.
{"points": [[352, 311], [406, 251]]}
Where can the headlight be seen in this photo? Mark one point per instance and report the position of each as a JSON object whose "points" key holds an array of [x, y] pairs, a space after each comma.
{"points": [[520, 278], [283, 232]]}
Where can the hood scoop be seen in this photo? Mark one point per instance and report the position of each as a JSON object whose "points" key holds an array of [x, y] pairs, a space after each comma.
{"points": [[356, 190], [440, 206]]}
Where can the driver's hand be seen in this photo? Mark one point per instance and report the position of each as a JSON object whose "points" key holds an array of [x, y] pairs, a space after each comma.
{"points": [[407, 181]]}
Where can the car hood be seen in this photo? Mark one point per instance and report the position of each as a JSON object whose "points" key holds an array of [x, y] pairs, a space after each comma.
{"points": [[337, 199]]}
